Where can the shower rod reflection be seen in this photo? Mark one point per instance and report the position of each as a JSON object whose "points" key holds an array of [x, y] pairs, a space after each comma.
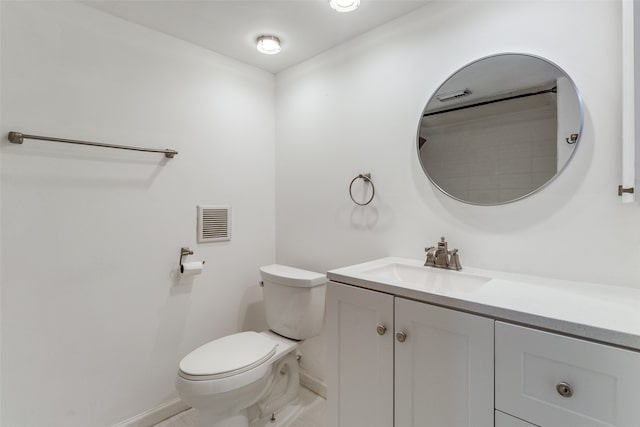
{"points": [[493, 101], [18, 138]]}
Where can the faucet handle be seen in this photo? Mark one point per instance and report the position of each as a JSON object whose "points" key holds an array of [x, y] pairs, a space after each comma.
{"points": [[454, 264], [431, 258]]}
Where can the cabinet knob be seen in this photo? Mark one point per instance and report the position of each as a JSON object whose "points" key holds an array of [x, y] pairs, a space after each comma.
{"points": [[401, 336], [564, 389], [381, 329]]}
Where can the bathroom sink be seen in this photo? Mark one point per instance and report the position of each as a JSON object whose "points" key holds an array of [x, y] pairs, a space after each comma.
{"points": [[428, 278]]}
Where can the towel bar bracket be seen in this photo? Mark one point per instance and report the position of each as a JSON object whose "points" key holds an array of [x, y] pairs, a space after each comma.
{"points": [[622, 190], [16, 137]]}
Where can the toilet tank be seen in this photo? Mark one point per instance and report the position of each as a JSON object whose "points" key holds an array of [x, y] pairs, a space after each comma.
{"points": [[293, 300]]}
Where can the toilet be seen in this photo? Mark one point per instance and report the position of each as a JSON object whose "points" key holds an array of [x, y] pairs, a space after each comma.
{"points": [[248, 376]]}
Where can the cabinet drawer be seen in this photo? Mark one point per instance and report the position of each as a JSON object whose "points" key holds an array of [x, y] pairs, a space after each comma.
{"points": [[552, 380]]}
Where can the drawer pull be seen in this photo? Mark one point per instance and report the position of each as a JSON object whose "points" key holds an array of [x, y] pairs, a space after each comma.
{"points": [[564, 389], [401, 336], [381, 329]]}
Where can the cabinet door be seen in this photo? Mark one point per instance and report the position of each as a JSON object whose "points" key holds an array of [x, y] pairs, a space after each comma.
{"points": [[360, 357], [444, 367]]}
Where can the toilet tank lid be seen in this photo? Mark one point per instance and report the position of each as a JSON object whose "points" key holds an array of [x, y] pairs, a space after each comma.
{"points": [[290, 276]]}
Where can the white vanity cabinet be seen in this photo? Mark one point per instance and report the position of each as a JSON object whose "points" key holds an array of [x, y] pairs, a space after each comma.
{"points": [[551, 380], [438, 361], [413, 346]]}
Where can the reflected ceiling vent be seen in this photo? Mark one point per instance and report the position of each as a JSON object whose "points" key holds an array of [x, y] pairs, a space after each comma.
{"points": [[214, 224], [449, 96]]}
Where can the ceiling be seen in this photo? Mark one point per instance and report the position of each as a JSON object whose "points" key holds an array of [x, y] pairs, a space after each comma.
{"points": [[305, 27]]}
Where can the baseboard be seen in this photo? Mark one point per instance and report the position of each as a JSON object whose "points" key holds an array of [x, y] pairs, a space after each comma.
{"points": [[313, 384], [174, 407], [155, 415]]}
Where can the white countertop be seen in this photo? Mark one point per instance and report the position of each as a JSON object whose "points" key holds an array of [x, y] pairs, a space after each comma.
{"points": [[608, 314]]}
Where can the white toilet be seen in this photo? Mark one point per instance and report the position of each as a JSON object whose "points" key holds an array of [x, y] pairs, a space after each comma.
{"points": [[236, 379]]}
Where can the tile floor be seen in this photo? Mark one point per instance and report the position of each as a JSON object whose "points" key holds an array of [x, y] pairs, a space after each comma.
{"points": [[313, 414]]}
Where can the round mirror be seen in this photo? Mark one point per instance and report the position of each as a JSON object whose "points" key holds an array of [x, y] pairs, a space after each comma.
{"points": [[500, 129]]}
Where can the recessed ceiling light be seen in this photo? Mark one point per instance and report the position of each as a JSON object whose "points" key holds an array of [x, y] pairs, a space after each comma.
{"points": [[269, 45], [344, 5]]}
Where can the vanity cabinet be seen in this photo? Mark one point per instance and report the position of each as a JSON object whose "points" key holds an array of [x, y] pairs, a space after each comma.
{"points": [[552, 380], [407, 349], [398, 362]]}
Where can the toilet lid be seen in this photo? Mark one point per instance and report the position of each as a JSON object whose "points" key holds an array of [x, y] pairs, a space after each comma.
{"points": [[229, 355]]}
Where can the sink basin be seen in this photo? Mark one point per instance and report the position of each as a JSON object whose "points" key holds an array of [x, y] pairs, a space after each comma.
{"points": [[428, 278]]}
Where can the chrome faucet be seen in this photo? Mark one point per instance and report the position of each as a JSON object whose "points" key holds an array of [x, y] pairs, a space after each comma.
{"points": [[442, 257]]}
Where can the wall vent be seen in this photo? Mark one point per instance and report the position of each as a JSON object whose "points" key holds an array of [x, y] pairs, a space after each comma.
{"points": [[214, 224]]}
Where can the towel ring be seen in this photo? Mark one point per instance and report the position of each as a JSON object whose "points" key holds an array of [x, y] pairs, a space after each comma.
{"points": [[366, 177]]}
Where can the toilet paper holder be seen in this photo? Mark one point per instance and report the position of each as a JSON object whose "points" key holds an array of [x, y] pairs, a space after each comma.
{"points": [[184, 251]]}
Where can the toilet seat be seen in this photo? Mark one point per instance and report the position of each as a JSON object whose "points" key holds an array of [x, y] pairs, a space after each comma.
{"points": [[228, 356]]}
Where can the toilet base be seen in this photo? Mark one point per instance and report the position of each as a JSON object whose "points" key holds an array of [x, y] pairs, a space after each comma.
{"points": [[209, 419], [282, 417]]}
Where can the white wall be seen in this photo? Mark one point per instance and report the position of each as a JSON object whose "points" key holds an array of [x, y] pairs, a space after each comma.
{"points": [[94, 318], [356, 109]]}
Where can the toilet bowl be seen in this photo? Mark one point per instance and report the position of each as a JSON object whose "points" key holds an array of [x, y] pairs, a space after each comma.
{"points": [[245, 376]]}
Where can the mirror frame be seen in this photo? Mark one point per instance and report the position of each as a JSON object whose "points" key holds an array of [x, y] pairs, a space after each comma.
{"points": [[569, 159]]}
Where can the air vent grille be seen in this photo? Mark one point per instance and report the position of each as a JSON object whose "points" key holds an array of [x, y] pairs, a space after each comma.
{"points": [[214, 224]]}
